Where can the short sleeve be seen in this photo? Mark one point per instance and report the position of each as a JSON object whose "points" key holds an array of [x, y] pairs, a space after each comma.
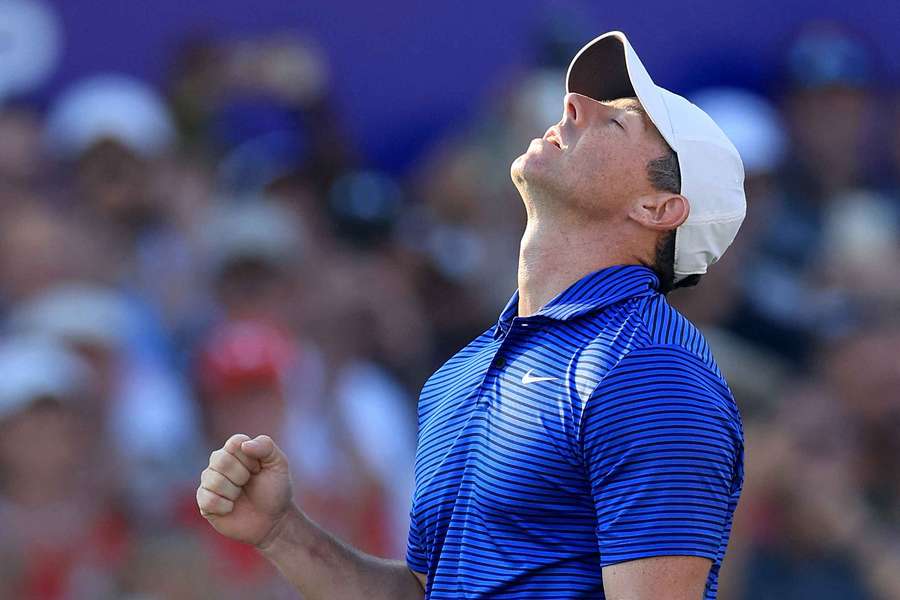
{"points": [[662, 444]]}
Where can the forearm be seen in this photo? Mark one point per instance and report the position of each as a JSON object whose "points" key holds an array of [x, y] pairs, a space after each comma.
{"points": [[322, 567]]}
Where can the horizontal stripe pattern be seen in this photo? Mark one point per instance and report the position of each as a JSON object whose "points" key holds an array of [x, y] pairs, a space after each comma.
{"points": [[627, 445]]}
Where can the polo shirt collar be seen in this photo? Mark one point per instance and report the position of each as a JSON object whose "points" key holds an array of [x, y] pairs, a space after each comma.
{"points": [[592, 292]]}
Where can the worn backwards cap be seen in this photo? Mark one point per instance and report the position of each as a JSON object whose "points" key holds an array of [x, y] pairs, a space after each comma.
{"points": [[712, 175]]}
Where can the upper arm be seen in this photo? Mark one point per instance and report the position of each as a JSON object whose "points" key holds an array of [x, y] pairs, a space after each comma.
{"points": [[657, 578], [661, 442]]}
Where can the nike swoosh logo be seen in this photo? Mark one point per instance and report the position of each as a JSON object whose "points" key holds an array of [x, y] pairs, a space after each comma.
{"points": [[529, 378]]}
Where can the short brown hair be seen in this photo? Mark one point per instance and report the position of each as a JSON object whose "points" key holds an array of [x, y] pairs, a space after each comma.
{"points": [[664, 174]]}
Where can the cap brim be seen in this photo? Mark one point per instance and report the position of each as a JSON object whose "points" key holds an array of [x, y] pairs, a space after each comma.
{"points": [[607, 68]]}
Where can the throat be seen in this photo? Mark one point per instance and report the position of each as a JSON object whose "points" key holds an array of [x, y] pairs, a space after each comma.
{"points": [[553, 258]]}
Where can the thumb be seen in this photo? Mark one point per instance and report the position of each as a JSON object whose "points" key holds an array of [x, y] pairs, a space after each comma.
{"points": [[264, 449]]}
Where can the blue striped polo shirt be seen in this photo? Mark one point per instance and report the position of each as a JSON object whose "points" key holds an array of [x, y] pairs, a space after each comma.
{"points": [[597, 431]]}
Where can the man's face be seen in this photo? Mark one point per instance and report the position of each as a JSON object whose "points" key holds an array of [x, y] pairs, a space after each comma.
{"points": [[594, 160]]}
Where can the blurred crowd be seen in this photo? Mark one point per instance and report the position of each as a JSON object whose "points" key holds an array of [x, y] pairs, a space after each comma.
{"points": [[211, 256]]}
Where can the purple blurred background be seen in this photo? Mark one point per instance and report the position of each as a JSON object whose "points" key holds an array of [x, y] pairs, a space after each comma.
{"points": [[406, 72]]}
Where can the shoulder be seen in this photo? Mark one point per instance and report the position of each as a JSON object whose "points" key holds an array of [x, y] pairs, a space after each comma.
{"points": [[666, 327], [664, 383], [672, 370], [664, 369], [664, 393], [644, 322], [645, 328]]}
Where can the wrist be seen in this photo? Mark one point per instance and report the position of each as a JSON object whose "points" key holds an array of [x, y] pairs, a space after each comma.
{"points": [[282, 532]]}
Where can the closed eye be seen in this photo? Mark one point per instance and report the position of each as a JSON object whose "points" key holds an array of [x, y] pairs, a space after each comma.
{"points": [[616, 121]]}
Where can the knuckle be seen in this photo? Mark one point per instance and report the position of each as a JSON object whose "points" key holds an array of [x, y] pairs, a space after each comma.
{"points": [[235, 440], [222, 460], [219, 484], [240, 476], [207, 477], [223, 505], [229, 468], [208, 502]]}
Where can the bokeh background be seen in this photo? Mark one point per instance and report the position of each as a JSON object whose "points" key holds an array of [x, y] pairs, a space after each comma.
{"points": [[280, 217]]}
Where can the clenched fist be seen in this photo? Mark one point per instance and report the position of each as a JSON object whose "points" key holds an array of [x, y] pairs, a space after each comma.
{"points": [[246, 491]]}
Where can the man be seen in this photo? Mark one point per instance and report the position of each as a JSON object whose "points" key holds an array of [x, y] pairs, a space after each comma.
{"points": [[587, 445]]}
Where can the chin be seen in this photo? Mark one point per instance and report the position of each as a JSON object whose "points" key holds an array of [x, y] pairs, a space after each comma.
{"points": [[533, 167], [517, 170]]}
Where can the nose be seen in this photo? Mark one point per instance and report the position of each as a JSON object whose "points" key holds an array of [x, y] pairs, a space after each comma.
{"points": [[572, 106], [576, 108]]}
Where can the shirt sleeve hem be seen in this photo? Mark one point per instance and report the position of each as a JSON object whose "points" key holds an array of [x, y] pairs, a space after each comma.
{"points": [[655, 553]]}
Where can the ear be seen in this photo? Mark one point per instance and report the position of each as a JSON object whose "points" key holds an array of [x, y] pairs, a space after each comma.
{"points": [[661, 211]]}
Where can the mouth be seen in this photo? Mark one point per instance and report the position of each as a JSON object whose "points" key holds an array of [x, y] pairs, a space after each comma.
{"points": [[552, 136]]}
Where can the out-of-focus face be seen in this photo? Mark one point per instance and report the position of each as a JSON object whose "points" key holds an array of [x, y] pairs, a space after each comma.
{"points": [[255, 289], [830, 119], [42, 443], [252, 409], [594, 160], [830, 126], [115, 182]]}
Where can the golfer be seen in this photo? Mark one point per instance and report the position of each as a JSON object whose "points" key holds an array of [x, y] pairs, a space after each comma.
{"points": [[586, 445]]}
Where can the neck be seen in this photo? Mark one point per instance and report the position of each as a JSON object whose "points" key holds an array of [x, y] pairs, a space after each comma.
{"points": [[551, 258]]}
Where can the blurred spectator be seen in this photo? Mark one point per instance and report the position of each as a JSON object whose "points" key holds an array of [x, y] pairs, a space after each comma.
{"points": [[110, 128], [63, 535], [138, 405], [819, 511], [796, 281], [471, 219], [270, 94], [343, 414], [43, 247], [109, 107], [292, 355], [378, 270], [254, 379], [253, 250], [242, 371], [800, 548], [863, 374]]}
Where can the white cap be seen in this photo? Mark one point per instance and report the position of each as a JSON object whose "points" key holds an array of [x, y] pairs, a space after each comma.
{"points": [[110, 106], [712, 175], [35, 368], [256, 228], [77, 312]]}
